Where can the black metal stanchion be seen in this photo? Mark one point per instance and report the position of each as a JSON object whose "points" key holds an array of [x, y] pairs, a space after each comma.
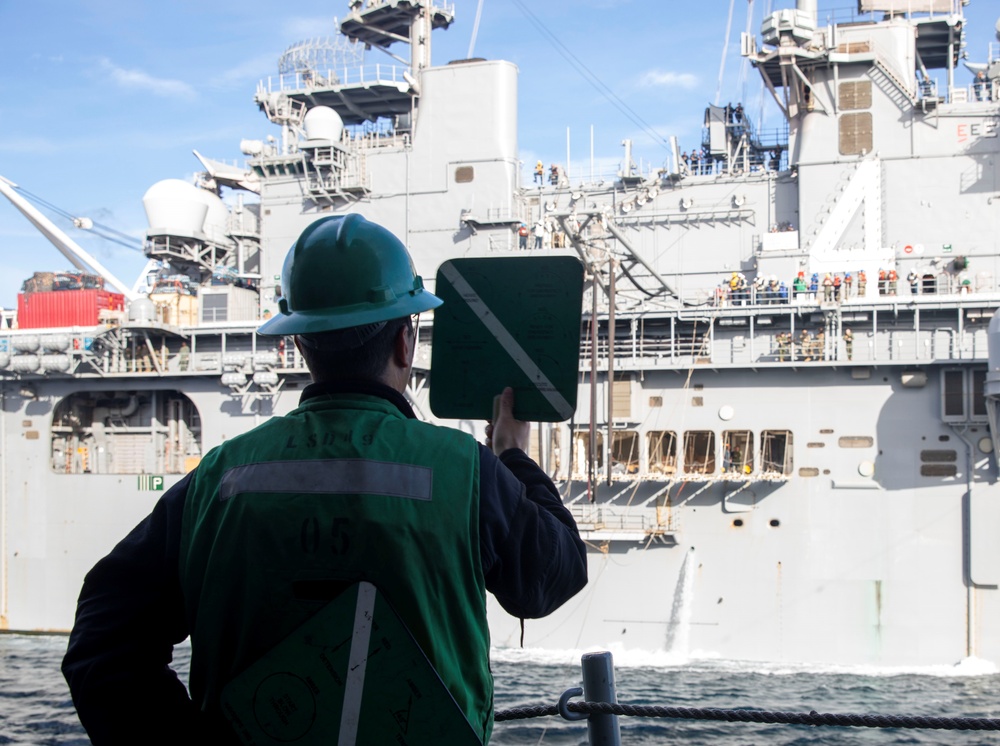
{"points": [[599, 686]]}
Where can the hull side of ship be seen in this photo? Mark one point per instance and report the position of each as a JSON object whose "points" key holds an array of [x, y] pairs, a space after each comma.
{"points": [[834, 565]]}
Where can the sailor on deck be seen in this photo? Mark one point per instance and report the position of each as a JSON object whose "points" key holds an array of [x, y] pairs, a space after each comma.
{"points": [[799, 287], [980, 85], [274, 524]]}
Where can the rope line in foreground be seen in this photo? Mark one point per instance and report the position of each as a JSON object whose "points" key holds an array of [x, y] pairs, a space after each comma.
{"points": [[755, 716]]}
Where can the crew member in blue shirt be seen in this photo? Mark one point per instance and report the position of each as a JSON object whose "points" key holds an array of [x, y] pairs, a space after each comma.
{"points": [[424, 513]]}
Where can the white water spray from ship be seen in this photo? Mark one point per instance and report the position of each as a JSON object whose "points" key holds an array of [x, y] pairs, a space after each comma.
{"points": [[679, 627]]}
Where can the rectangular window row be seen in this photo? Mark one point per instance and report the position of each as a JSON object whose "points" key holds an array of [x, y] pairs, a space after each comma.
{"points": [[695, 452]]}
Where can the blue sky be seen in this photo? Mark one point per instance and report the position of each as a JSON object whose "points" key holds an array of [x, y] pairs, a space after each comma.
{"points": [[103, 98]]}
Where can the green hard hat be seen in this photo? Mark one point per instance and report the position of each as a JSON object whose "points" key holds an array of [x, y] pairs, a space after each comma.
{"points": [[344, 271]]}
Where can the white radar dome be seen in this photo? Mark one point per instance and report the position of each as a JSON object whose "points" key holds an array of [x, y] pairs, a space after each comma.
{"points": [[216, 225], [251, 147], [142, 311], [174, 206], [323, 123]]}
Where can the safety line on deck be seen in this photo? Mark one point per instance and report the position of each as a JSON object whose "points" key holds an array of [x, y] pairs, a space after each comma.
{"points": [[754, 716]]}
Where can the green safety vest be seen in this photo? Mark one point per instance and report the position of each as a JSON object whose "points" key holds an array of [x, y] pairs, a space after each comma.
{"points": [[344, 488]]}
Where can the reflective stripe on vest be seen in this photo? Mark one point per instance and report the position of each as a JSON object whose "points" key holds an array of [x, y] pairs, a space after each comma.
{"points": [[331, 477]]}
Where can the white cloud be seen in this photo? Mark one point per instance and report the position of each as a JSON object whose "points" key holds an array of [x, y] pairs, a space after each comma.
{"points": [[247, 72], [141, 81], [667, 79], [24, 145], [298, 28]]}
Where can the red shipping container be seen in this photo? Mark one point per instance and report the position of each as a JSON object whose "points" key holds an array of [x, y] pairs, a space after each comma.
{"points": [[58, 308]]}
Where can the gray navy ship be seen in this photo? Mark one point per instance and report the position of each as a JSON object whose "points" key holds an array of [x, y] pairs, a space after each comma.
{"points": [[783, 446]]}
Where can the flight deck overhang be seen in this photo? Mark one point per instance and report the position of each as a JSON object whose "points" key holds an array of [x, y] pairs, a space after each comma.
{"points": [[935, 38], [775, 64], [357, 94], [389, 21]]}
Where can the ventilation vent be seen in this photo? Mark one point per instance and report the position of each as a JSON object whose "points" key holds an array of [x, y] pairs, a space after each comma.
{"points": [[856, 95], [938, 470], [855, 133], [856, 441], [938, 456]]}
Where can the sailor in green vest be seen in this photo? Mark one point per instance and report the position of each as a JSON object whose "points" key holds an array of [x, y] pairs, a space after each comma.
{"points": [[276, 523]]}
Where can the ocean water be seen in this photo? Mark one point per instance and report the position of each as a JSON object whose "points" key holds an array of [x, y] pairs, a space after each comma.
{"points": [[35, 706]]}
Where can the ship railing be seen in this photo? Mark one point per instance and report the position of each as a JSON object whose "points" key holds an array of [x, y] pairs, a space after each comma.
{"points": [[927, 90], [378, 73], [929, 288], [584, 174], [748, 149], [111, 349], [377, 140], [332, 171], [773, 137], [242, 223], [986, 91], [939, 327], [502, 242], [623, 520], [504, 214], [646, 347], [885, 347], [867, 346], [911, 8]]}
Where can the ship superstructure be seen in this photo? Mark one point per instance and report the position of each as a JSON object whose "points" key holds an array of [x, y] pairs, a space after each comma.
{"points": [[783, 433]]}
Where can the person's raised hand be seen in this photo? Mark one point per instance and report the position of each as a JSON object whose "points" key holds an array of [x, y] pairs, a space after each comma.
{"points": [[503, 431]]}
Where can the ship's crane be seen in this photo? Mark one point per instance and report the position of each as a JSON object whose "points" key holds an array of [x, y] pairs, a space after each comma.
{"points": [[77, 256]]}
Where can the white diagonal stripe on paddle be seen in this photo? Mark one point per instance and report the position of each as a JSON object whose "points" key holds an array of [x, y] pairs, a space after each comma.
{"points": [[354, 685]]}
